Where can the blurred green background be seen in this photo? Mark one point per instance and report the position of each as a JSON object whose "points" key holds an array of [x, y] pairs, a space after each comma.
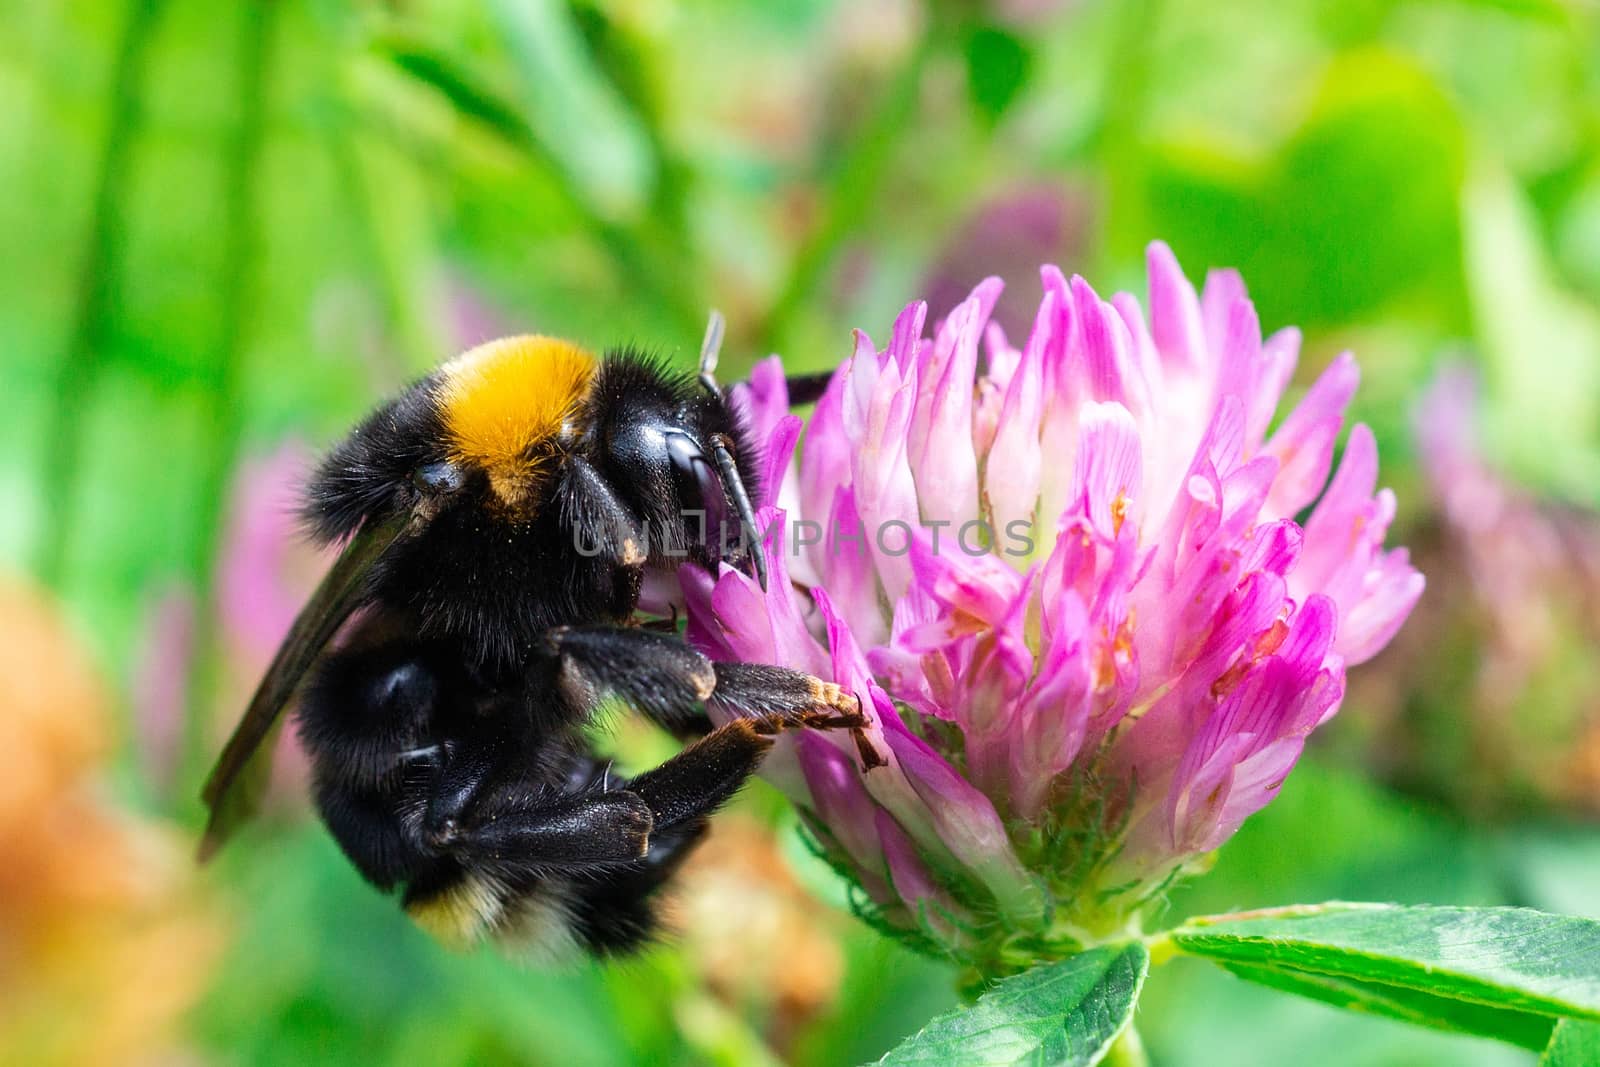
{"points": [[231, 227]]}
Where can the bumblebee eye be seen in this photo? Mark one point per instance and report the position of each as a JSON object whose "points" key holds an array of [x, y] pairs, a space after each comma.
{"points": [[442, 478]]}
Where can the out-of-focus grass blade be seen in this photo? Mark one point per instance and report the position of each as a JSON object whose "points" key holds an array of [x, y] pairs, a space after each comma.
{"points": [[467, 95], [1541, 343], [636, 256], [574, 110]]}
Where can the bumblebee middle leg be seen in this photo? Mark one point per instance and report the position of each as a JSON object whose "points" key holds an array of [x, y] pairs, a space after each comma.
{"points": [[588, 830], [617, 911]]}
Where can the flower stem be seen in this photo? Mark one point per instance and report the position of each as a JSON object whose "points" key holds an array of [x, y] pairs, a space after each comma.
{"points": [[1127, 1050]]}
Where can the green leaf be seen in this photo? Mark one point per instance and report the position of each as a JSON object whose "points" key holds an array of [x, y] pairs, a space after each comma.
{"points": [[451, 79], [1064, 1013], [1575, 1044], [1497, 972], [998, 65], [1420, 1009]]}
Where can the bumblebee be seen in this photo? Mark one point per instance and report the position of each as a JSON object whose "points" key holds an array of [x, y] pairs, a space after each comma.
{"points": [[498, 519]]}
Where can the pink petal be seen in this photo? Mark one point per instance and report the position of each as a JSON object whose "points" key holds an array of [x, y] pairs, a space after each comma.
{"points": [[913, 882], [847, 568], [1013, 479], [1176, 324], [840, 800], [1337, 527], [1107, 367], [1303, 445], [1279, 355], [1392, 589], [943, 462], [1109, 477], [762, 399]]}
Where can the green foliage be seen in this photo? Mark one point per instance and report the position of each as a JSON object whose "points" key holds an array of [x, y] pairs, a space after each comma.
{"points": [[1353, 214], [1508, 973], [1068, 1013], [998, 66], [1575, 1043]]}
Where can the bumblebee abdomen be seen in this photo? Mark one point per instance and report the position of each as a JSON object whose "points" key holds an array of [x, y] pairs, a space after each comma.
{"points": [[548, 922]]}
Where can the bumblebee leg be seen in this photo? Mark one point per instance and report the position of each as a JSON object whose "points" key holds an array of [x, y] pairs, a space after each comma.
{"points": [[598, 517], [616, 912], [669, 682], [697, 781], [592, 829], [656, 673], [808, 388], [518, 865], [784, 696]]}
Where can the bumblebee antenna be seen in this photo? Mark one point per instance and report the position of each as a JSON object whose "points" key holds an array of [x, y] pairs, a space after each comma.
{"points": [[722, 450], [710, 349]]}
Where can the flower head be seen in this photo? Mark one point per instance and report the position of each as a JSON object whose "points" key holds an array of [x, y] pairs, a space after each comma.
{"points": [[1070, 584]]}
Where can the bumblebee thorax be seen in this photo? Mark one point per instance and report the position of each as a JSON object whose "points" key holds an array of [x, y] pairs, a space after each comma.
{"points": [[506, 404]]}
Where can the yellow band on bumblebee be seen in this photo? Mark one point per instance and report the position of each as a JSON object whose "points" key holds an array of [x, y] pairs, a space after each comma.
{"points": [[504, 399]]}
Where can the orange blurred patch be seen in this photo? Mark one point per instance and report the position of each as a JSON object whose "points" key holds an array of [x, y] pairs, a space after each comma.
{"points": [[758, 938], [104, 940]]}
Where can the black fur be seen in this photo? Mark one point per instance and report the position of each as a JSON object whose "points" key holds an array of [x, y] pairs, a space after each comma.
{"points": [[427, 776], [368, 474]]}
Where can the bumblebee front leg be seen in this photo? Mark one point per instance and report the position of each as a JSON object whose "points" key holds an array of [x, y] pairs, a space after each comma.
{"points": [[604, 526], [670, 683], [591, 508]]}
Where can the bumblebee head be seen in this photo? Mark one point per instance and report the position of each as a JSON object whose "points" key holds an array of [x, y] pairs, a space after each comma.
{"points": [[440, 491]]}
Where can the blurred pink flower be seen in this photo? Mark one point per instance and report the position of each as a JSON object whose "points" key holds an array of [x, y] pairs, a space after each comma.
{"points": [[1489, 701], [265, 571], [1009, 234], [159, 689], [471, 317], [1072, 593]]}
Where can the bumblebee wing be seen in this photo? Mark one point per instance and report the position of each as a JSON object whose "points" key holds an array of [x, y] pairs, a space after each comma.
{"points": [[235, 782], [235, 789]]}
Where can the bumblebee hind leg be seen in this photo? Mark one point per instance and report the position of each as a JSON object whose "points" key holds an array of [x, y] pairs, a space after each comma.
{"points": [[617, 913]]}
